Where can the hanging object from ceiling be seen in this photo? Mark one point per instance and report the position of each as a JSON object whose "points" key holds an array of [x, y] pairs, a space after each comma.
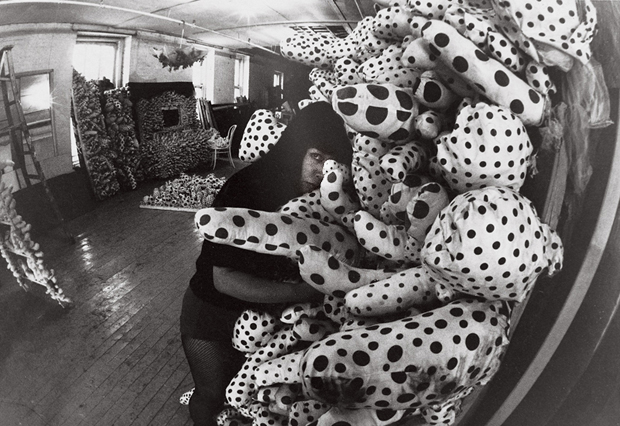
{"points": [[180, 57]]}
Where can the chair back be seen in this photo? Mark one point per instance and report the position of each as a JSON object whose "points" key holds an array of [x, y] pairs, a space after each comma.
{"points": [[231, 132]]}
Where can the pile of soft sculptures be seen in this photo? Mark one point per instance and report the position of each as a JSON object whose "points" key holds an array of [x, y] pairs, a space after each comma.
{"points": [[423, 245]]}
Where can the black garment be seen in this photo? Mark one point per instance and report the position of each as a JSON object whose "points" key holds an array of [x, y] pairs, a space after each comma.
{"points": [[208, 316], [265, 185]]}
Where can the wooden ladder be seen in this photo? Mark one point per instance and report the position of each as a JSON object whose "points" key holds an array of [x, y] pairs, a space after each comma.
{"points": [[19, 135]]}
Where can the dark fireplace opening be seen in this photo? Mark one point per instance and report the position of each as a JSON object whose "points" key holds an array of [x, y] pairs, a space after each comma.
{"points": [[171, 117]]}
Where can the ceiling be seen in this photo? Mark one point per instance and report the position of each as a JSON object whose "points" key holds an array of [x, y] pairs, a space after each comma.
{"points": [[234, 24]]}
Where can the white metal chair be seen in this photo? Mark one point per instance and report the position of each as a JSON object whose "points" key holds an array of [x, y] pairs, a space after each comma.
{"points": [[222, 147]]}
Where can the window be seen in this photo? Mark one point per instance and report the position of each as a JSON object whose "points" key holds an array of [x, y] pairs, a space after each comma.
{"points": [[278, 79], [203, 76], [97, 56], [241, 83]]}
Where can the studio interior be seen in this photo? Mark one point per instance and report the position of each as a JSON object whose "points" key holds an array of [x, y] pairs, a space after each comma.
{"points": [[459, 253]]}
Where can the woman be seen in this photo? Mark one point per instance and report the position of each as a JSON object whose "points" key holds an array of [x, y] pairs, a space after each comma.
{"points": [[229, 280]]}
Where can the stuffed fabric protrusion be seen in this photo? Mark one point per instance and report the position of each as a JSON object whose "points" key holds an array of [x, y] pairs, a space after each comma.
{"points": [[242, 388], [383, 111], [392, 23], [283, 369], [432, 93], [537, 76], [394, 210], [346, 70], [490, 243], [391, 242], [302, 413], [274, 232], [295, 312], [230, 416], [371, 184], [445, 351], [437, 9], [397, 293], [307, 205], [504, 51], [429, 124], [309, 48], [489, 77], [260, 135], [336, 191], [418, 55], [546, 31], [338, 416], [253, 329], [489, 146], [426, 203], [279, 398], [403, 160], [389, 60], [327, 274], [316, 95]]}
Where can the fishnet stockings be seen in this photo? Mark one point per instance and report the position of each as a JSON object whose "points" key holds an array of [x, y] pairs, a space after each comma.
{"points": [[213, 364]]}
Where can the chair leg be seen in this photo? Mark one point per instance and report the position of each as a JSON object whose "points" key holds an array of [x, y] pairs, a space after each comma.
{"points": [[230, 158], [214, 158]]}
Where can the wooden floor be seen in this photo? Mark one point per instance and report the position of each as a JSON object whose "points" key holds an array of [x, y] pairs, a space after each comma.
{"points": [[114, 357]]}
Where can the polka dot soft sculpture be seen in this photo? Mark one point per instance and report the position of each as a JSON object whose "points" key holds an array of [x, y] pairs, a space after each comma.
{"points": [[488, 146], [385, 111], [490, 243], [426, 362]]}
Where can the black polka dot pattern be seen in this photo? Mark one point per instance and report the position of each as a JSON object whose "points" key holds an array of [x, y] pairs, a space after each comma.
{"points": [[387, 241], [309, 48], [274, 232], [489, 146], [394, 210], [327, 274], [538, 77], [261, 133], [403, 160], [556, 25], [431, 92], [424, 207], [418, 55], [243, 387], [490, 243], [429, 124], [385, 111], [392, 23], [489, 77], [336, 200], [346, 71], [370, 185], [367, 367], [307, 206], [393, 295], [252, 330], [502, 49], [304, 412]]}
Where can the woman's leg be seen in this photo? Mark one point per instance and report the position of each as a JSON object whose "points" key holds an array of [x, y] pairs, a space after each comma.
{"points": [[213, 364]]}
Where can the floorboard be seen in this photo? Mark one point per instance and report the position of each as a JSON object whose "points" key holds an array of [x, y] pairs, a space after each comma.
{"points": [[113, 357]]}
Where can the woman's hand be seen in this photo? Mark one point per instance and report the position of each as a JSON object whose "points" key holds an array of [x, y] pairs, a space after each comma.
{"points": [[250, 288]]}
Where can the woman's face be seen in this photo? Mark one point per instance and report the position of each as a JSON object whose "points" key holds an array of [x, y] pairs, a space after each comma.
{"points": [[312, 169]]}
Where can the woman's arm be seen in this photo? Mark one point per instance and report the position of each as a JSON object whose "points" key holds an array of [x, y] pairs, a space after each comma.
{"points": [[247, 287]]}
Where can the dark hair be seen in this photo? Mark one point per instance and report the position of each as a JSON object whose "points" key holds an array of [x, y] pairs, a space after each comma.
{"points": [[274, 178]]}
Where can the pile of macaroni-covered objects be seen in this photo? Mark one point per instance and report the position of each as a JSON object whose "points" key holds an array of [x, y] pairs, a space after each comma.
{"points": [[423, 245]]}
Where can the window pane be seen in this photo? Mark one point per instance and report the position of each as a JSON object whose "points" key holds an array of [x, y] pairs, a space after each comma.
{"points": [[95, 60]]}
